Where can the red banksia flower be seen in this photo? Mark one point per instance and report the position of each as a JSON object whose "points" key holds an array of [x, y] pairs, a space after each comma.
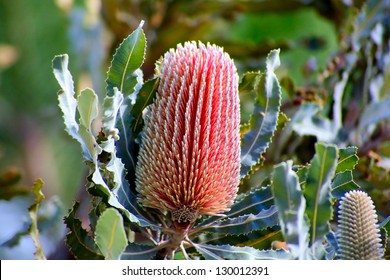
{"points": [[189, 160]]}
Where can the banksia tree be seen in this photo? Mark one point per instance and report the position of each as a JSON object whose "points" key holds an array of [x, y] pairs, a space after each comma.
{"points": [[358, 236], [189, 160]]}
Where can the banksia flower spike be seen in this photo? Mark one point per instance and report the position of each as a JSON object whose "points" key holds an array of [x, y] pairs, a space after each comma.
{"points": [[358, 236], [189, 159]]}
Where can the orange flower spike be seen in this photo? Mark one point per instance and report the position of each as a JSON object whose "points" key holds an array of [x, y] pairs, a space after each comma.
{"points": [[189, 159]]}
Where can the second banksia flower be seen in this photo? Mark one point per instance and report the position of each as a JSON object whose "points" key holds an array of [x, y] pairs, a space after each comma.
{"points": [[358, 236], [189, 159]]}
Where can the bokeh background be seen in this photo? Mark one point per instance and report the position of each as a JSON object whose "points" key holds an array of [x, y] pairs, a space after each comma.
{"points": [[313, 35]]}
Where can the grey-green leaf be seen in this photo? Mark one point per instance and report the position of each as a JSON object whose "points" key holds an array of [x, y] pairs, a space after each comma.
{"points": [[265, 115], [317, 190], [309, 121], [110, 235], [252, 202], [291, 205], [217, 252], [245, 224], [67, 101]]}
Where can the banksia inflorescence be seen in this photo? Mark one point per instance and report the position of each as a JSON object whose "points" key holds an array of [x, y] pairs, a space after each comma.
{"points": [[358, 236], [189, 159]]}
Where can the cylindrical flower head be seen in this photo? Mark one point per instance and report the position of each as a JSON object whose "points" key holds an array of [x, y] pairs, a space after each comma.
{"points": [[358, 236], [189, 159]]}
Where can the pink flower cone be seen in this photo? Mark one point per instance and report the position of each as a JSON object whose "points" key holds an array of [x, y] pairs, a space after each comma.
{"points": [[189, 160]]}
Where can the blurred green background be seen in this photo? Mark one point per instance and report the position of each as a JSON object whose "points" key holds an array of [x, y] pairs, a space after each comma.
{"points": [[33, 143]]}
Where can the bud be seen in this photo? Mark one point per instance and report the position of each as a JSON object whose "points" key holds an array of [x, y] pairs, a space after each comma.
{"points": [[358, 236], [189, 159]]}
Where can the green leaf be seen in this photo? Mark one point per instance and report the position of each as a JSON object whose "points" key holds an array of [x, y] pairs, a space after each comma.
{"points": [[302, 175], [80, 242], [33, 212], [348, 159], [342, 183], [125, 76], [317, 190], [124, 73], [144, 98], [384, 228], [265, 115], [139, 252], [110, 235], [244, 224], [291, 206], [218, 252], [87, 105]]}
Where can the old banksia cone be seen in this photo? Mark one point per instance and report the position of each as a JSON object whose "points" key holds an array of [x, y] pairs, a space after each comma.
{"points": [[358, 236], [189, 159]]}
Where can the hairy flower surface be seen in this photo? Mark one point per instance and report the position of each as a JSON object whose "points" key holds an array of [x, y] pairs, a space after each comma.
{"points": [[189, 159]]}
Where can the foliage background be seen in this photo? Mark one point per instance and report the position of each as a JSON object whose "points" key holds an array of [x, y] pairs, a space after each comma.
{"points": [[312, 34]]}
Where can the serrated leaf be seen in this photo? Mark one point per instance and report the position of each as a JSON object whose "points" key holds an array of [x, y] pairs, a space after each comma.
{"points": [[348, 159], [139, 252], [265, 115], [128, 58], [66, 98], [385, 226], [110, 235], [67, 101], [252, 202], [218, 252], [342, 183], [317, 190], [144, 98], [33, 212], [302, 175], [245, 224], [291, 206], [80, 243]]}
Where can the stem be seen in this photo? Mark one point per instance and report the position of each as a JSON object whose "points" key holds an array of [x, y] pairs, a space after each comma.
{"points": [[184, 251]]}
